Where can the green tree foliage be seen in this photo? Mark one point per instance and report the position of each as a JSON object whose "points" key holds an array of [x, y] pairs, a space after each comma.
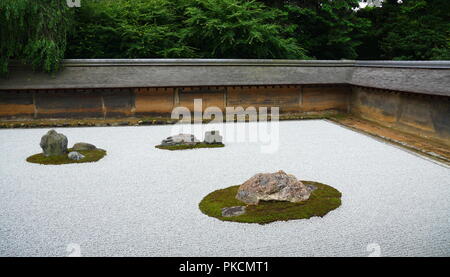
{"points": [[38, 32], [326, 29], [181, 28], [128, 29], [33, 32], [407, 30], [239, 29]]}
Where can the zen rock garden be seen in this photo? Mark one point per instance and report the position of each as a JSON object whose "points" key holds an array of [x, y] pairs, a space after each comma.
{"points": [[212, 139], [269, 197], [264, 198], [55, 151]]}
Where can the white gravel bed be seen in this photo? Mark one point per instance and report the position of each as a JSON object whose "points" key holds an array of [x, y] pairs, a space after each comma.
{"points": [[143, 201]]}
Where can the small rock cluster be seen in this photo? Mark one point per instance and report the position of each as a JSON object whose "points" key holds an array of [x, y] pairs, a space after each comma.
{"points": [[181, 139], [211, 137], [55, 144]]}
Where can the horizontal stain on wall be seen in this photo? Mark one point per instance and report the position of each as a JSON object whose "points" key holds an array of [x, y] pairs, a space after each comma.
{"points": [[16, 104], [154, 100], [288, 98], [118, 102], [320, 98], [68, 103], [210, 96]]}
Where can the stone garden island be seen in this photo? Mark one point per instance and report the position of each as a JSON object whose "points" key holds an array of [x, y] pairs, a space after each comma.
{"points": [[213, 139], [55, 151], [270, 197]]}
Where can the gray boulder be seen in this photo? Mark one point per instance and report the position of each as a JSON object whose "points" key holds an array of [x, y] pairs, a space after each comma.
{"points": [[75, 156], [83, 146], [277, 186], [212, 137], [233, 211], [54, 144], [181, 139]]}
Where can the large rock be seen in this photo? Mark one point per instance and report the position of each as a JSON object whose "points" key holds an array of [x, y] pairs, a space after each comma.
{"points": [[83, 146], [54, 144], [75, 156], [213, 137], [277, 186], [181, 139]]}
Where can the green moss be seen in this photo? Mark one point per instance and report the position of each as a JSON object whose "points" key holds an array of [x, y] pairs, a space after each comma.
{"points": [[184, 147], [322, 200], [90, 156]]}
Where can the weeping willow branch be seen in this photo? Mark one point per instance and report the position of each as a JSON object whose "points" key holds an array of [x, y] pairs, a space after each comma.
{"points": [[34, 32]]}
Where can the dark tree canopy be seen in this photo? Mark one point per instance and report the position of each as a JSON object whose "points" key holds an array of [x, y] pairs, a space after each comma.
{"points": [[181, 28], [327, 29], [42, 33], [239, 29], [411, 30]]}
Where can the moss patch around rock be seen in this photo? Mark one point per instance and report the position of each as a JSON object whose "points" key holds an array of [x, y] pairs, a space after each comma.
{"points": [[184, 147], [322, 200], [89, 156]]}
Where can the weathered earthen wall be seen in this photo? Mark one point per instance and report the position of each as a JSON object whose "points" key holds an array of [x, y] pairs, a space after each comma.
{"points": [[67, 103], [211, 97], [108, 103], [418, 114], [422, 115], [412, 96], [320, 98], [153, 100], [17, 103]]}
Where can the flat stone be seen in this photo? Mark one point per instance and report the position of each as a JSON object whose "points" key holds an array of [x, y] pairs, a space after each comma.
{"points": [[311, 188], [54, 144], [75, 156], [233, 211], [181, 139], [277, 186], [83, 146]]}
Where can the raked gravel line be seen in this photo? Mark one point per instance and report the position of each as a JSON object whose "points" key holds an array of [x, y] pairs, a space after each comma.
{"points": [[142, 201]]}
